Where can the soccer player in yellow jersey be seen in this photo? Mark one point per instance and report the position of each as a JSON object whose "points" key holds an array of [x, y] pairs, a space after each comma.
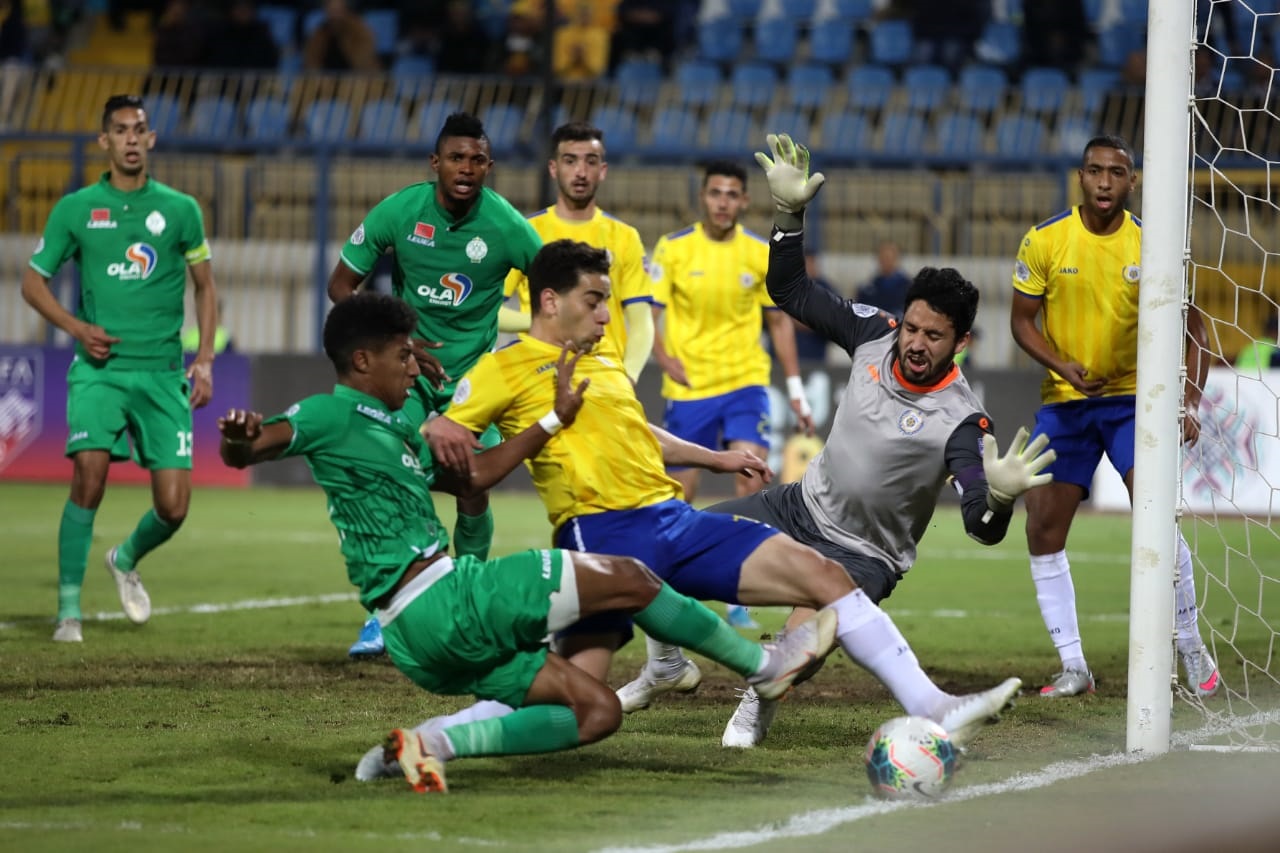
{"points": [[1080, 272], [578, 166], [709, 292], [605, 487]]}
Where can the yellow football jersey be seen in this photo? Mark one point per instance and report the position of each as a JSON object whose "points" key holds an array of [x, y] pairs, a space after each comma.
{"points": [[713, 292], [608, 459], [627, 273], [1088, 285]]}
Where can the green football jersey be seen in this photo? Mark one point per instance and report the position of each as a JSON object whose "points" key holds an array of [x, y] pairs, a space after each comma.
{"points": [[451, 271], [133, 249], [376, 472]]}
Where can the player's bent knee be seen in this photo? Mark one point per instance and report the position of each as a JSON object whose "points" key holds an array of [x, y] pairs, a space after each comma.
{"points": [[599, 714]]}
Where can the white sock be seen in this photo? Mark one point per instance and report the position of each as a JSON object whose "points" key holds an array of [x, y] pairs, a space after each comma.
{"points": [[485, 709], [1184, 600], [665, 660], [869, 637], [1057, 597]]}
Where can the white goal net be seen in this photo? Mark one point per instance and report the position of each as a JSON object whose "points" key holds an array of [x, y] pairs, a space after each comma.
{"points": [[1230, 478]]}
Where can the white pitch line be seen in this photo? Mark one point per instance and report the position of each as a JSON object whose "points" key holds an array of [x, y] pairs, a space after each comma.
{"points": [[204, 608]]}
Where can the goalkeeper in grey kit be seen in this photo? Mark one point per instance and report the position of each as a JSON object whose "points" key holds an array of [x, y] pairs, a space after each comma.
{"points": [[908, 424]]}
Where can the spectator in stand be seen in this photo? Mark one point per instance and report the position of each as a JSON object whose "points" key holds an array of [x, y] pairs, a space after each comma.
{"points": [[465, 48], [946, 30], [179, 40], [887, 289], [1055, 34], [580, 46], [243, 40], [646, 28], [523, 44], [342, 42], [13, 54]]}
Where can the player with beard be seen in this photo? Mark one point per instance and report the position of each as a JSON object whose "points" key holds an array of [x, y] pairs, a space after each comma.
{"points": [[907, 425], [578, 166], [454, 241]]}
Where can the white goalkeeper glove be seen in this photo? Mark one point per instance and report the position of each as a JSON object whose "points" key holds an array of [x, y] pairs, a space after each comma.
{"points": [[1018, 470], [788, 175]]}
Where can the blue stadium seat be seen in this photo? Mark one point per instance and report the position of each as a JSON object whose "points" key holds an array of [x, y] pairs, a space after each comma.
{"points": [[282, 21], [382, 121], [786, 120], [164, 114], [675, 132], [927, 86], [1071, 135], [1000, 43], [1094, 85], [1093, 11], [385, 24], [1044, 90], [844, 133], [1019, 136], [1136, 11], [698, 82], [742, 9], [854, 11], [960, 135], [502, 126], [753, 84], [310, 22], [619, 126], [266, 119], [215, 117], [1116, 42], [729, 133], [903, 134], [832, 42], [892, 42], [869, 86], [327, 119], [719, 39], [775, 39], [981, 88], [800, 10], [430, 119], [638, 81], [809, 85]]}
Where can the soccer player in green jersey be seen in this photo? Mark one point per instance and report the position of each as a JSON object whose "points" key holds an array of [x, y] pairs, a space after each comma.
{"points": [[133, 239], [453, 240], [463, 625]]}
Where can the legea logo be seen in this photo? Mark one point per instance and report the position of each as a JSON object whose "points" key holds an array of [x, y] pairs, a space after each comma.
{"points": [[139, 263], [453, 290]]}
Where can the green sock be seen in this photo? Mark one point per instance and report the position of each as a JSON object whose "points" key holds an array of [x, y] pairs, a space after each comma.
{"points": [[679, 620], [75, 533], [473, 534], [537, 728], [150, 534]]}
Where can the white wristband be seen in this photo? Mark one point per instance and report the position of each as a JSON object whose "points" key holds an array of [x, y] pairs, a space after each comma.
{"points": [[550, 422]]}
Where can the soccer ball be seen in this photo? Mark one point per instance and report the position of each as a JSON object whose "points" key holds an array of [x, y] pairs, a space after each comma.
{"points": [[910, 758]]}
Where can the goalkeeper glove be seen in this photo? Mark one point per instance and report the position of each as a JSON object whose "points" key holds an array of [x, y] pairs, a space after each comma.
{"points": [[1018, 470], [788, 175]]}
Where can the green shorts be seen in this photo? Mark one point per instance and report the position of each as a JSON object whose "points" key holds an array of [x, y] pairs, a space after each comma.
{"points": [[481, 629], [105, 408], [424, 400]]}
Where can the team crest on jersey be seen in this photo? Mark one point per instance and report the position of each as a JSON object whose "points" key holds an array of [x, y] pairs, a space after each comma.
{"points": [[463, 391], [747, 279], [655, 270], [424, 234], [139, 263], [1133, 273], [100, 217], [863, 310], [453, 289], [1021, 271], [155, 223], [357, 236], [477, 249], [911, 421]]}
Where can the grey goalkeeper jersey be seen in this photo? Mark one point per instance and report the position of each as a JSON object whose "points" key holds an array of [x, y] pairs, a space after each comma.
{"points": [[892, 445]]}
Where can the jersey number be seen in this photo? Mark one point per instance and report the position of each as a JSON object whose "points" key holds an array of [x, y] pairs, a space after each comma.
{"points": [[184, 443]]}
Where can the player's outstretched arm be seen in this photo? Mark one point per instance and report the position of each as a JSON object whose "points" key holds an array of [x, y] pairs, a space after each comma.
{"points": [[678, 452], [790, 183], [1018, 470], [245, 441]]}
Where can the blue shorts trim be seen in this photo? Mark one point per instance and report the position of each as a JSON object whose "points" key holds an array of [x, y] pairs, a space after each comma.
{"points": [[700, 554], [741, 415], [1080, 431]]}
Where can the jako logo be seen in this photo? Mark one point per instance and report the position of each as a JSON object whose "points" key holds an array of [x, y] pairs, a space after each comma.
{"points": [[140, 262], [454, 290]]}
